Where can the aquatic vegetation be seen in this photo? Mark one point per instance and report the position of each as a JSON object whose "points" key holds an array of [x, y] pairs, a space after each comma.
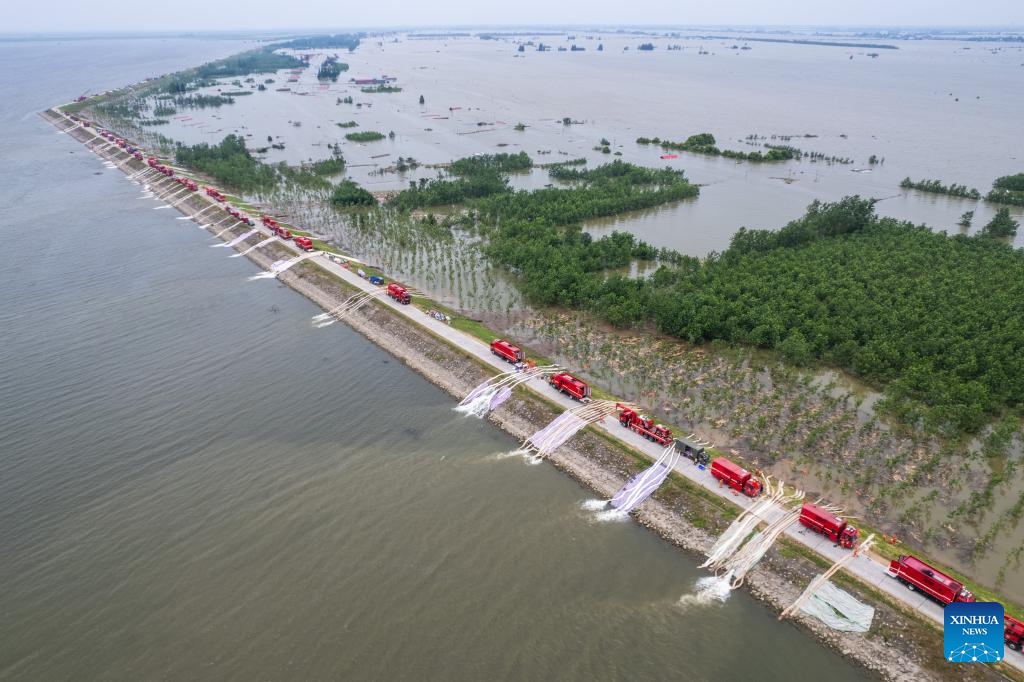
{"points": [[331, 69], [502, 163], [704, 143], [1001, 226], [348, 193], [936, 187], [1008, 189], [365, 136]]}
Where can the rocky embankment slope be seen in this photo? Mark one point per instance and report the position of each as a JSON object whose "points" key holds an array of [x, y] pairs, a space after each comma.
{"points": [[901, 644]]}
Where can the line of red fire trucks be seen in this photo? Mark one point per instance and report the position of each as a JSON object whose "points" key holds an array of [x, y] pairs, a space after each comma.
{"points": [[911, 571], [304, 243]]}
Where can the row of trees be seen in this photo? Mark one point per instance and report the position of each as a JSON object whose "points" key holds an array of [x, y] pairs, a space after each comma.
{"points": [[1008, 189], [565, 206], [262, 60], [633, 175], [201, 101], [365, 136], [704, 143], [936, 187], [501, 163], [344, 41]]}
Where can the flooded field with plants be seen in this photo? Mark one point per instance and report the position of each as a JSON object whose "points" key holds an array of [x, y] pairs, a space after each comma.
{"points": [[861, 124]]}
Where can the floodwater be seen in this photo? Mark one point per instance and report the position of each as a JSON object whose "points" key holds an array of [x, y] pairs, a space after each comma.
{"points": [[929, 110], [197, 484]]}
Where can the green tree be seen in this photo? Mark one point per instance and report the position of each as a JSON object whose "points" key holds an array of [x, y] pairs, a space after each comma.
{"points": [[348, 193], [1001, 225], [966, 218], [795, 348]]}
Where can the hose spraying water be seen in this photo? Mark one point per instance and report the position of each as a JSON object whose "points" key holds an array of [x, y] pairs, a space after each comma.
{"points": [[739, 529], [727, 555], [266, 241], [238, 240], [748, 556], [496, 390], [202, 211], [349, 306], [646, 482], [277, 267], [820, 580], [188, 195], [566, 425], [231, 226]]}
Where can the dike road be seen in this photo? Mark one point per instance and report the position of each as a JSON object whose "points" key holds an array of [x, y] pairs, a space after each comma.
{"points": [[864, 567]]}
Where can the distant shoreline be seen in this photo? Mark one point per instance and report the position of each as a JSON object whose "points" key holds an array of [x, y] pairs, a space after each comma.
{"points": [[796, 41]]}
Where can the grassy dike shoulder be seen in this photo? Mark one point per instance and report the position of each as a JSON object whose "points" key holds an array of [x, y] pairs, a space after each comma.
{"points": [[901, 646]]}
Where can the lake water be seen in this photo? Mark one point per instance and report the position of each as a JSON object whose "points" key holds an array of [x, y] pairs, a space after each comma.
{"points": [[197, 484], [930, 110]]}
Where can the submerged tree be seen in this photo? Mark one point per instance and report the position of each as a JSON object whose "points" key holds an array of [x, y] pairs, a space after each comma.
{"points": [[1001, 225]]}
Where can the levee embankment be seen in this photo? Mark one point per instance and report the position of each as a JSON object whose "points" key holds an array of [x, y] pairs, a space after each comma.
{"points": [[901, 646]]}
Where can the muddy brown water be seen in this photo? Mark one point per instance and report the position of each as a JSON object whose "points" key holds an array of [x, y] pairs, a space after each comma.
{"points": [[198, 484]]}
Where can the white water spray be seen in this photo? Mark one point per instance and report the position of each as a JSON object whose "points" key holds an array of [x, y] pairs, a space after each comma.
{"points": [[237, 240], [280, 266], [707, 591], [611, 516], [728, 556], [349, 306], [643, 485], [266, 241], [202, 211], [820, 580], [567, 424], [729, 541], [226, 229], [496, 390]]}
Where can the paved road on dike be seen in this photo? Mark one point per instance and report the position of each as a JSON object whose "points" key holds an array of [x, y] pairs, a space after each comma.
{"points": [[864, 567]]}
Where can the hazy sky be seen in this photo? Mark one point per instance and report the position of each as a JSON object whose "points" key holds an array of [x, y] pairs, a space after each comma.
{"points": [[197, 15]]}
